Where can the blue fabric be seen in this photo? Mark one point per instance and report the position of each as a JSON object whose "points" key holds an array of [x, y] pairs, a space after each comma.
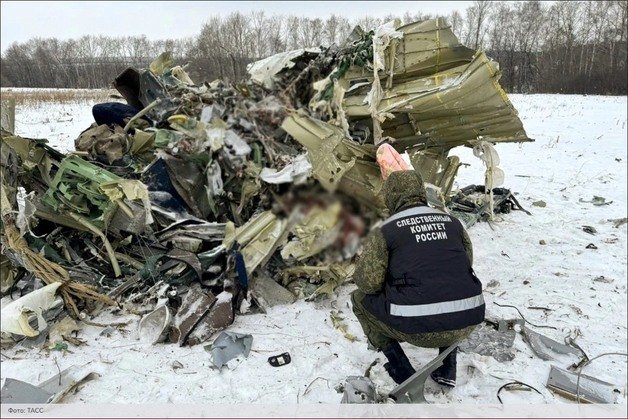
{"points": [[113, 113], [241, 269]]}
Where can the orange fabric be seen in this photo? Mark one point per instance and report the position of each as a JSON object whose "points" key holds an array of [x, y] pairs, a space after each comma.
{"points": [[390, 160]]}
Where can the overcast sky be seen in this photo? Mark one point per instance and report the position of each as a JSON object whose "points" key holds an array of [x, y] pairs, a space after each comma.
{"points": [[22, 20]]}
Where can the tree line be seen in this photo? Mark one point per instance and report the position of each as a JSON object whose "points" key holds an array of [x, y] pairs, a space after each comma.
{"points": [[558, 47]]}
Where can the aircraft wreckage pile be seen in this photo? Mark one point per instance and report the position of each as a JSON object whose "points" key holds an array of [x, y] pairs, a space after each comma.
{"points": [[237, 197]]}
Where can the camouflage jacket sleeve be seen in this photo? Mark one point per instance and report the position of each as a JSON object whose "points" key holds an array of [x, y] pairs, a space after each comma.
{"points": [[468, 247], [372, 264]]}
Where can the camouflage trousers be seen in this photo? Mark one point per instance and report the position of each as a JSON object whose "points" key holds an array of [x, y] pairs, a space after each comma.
{"points": [[380, 335]]}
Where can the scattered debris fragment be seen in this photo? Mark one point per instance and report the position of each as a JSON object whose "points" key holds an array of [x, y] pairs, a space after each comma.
{"points": [[193, 308], [279, 360], [268, 293], [493, 283], [227, 346], [546, 348], [14, 317], [516, 323], [617, 222], [583, 387], [577, 309], [155, 326], [336, 320], [603, 279], [472, 204], [49, 391], [597, 201], [60, 346], [219, 316], [540, 204], [589, 229], [506, 325], [62, 331], [16, 391], [358, 390], [515, 385], [591, 246]]}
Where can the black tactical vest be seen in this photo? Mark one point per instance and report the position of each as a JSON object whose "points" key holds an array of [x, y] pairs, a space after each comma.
{"points": [[430, 285]]}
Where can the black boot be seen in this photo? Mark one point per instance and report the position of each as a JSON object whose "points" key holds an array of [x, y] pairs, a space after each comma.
{"points": [[398, 367], [445, 375]]}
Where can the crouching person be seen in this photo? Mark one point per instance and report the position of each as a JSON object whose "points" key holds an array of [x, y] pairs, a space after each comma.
{"points": [[415, 280]]}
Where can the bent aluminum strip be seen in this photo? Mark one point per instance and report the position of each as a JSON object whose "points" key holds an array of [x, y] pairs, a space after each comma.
{"points": [[411, 390], [591, 389], [436, 308], [18, 392]]}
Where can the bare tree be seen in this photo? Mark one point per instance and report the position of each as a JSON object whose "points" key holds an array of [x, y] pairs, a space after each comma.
{"points": [[568, 47], [478, 15], [455, 20]]}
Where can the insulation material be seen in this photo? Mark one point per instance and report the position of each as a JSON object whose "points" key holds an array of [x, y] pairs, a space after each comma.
{"points": [[384, 34], [494, 176], [14, 317]]}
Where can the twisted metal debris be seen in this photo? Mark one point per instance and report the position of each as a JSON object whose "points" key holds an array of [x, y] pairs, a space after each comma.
{"points": [[219, 198]]}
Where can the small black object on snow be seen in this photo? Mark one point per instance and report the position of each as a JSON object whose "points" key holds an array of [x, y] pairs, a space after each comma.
{"points": [[589, 229], [279, 360]]}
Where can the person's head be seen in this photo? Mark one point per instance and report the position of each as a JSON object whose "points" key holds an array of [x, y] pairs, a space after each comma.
{"points": [[404, 188]]}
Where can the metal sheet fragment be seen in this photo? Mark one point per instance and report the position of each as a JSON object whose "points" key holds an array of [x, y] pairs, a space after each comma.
{"points": [[590, 389], [545, 348], [219, 317], [358, 390], [194, 306], [229, 345]]}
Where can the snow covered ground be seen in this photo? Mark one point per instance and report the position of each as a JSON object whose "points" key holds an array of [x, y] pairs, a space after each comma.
{"points": [[580, 152], [59, 123]]}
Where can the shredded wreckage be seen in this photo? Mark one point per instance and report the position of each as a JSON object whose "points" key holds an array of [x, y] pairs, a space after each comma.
{"points": [[241, 196]]}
